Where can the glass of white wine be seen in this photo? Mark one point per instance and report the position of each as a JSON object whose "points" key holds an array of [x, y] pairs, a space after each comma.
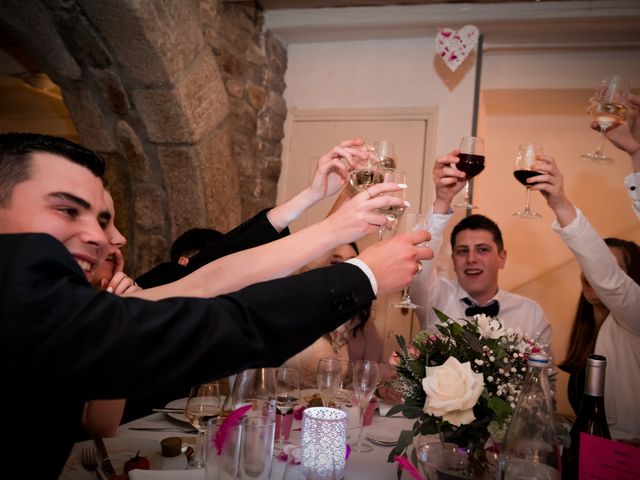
{"points": [[203, 404], [608, 108], [369, 172], [329, 376], [365, 381]]}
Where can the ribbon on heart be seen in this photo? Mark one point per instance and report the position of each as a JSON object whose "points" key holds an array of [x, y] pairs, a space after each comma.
{"points": [[454, 46]]}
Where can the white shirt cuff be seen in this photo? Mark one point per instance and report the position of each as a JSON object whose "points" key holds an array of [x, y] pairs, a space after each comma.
{"points": [[367, 271]]}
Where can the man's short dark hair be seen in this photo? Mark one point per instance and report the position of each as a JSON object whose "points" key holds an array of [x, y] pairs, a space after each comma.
{"points": [[193, 241], [15, 157], [478, 222]]}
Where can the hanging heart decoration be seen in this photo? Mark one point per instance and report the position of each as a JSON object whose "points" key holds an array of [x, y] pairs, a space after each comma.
{"points": [[454, 46]]}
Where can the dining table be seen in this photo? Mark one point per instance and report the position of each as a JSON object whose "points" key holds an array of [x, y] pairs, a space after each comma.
{"points": [[157, 426]]}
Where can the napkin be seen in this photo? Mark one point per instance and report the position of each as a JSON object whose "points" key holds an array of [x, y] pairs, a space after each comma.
{"points": [[196, 474]]}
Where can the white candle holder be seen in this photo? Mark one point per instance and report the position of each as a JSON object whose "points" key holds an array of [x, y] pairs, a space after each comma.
{"points": [[324, 443]]}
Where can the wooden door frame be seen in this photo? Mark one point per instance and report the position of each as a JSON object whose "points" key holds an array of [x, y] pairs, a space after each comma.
{"points": [[427, 114]]}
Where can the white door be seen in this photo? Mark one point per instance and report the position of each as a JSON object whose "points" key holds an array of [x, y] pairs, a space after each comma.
{"points": [[310, 134]]}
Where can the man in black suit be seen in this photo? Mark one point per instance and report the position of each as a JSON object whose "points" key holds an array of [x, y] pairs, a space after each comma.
{"points": [[62, 343]]}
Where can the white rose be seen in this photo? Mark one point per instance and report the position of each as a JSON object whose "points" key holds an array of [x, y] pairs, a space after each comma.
{"points": [[489, 327], [452, 391]]}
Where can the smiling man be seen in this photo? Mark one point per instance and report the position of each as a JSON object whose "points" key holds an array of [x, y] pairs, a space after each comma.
{"points": [[478, 256]]}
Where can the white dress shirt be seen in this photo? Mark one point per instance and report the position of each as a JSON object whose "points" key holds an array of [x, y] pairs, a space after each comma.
{"points": [[619, 335], [430, 290]]}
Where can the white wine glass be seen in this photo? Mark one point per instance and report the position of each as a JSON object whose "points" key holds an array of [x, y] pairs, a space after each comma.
{"points": [[287, 397], [386, 153], [368, 172], [203, 404], [393, 175], [523, 170], [471, 163], [407, 223], [255, 387], [365, 381], [329, 377], [608, 108]]}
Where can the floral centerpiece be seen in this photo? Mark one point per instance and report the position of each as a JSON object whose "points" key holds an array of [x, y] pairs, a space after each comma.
{"points": [[461, 383]]}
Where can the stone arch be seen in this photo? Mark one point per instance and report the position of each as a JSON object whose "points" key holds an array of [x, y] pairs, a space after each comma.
{"points": [[154, 87]]}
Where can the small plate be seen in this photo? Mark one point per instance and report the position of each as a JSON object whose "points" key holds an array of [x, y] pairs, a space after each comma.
{"points": [[179, 403]]}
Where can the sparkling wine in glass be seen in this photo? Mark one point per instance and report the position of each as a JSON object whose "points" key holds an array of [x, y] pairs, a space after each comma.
{"points": [[523, 170], [408, 223], [471, 163], [386, 153], [203, 405], [369, 171], [608, 108], [365, 381], [287, 397], [393, 175], [329, 376]]}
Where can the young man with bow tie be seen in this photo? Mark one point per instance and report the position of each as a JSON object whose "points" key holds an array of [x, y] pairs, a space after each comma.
{"points": [[478, 256]]}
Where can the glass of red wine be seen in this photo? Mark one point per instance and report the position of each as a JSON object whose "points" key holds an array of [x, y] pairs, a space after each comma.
{"points": [[471, 163], [523, 170]]}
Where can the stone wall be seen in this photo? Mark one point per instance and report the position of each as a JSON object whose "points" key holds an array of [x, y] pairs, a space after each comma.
{"points": [[183, 98]]}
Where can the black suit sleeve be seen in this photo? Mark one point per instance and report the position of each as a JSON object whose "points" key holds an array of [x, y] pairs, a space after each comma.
{"points": [[252, 233], [54, 327]]}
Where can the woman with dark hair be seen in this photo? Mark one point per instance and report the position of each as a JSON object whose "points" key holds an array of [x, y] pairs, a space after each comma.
{"points": [[608, 318]]}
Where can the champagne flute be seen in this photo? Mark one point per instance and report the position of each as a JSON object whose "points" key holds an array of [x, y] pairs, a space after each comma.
{"points": [[408, 223], [393, 175], [329, 376], [287, 396], [523, 170], [386, 153], [369, 171], [365, 381], [608, 109], [203, 404], [471, 163]]}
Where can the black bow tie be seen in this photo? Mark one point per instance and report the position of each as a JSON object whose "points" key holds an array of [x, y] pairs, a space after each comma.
{"points": [[490, 310]]}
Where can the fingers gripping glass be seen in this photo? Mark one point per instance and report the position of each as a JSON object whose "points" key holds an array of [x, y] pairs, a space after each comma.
{"points": [[408, 223], [523, 170]]}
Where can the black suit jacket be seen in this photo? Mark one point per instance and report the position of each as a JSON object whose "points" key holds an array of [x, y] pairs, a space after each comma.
{"points": [[62, 343], [255, 231]]}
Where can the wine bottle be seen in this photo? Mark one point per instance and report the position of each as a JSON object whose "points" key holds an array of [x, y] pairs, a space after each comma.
{"points": [[591, 418], [530, 449]]}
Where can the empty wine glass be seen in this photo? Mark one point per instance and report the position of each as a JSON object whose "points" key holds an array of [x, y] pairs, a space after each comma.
{"points": [[203, 404], [393, 175], [407, 223], [329, 376], [523, 169], [255, 387], [386, 153], [471, 163], [287, 396], [608, 108], [365, 381]]}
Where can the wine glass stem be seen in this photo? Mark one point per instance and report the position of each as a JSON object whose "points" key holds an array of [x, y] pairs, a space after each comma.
{"points": [[361, 425], [198, 457], [601, 141], [466, 193], [527, 207], [380, 232]]}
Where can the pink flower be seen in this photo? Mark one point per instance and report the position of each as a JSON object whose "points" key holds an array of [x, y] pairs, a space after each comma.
{"points": [[394, 359], [414, 353]]}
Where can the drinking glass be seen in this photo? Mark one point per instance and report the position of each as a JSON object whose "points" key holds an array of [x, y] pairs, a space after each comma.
{"points": [[223, 464], [407, 223], [471, 163], [386, 153], [608, 108], [256, 450], [368, 172], [523, 169], [393, 175], [365, 381], [287, 396], [329, 376], [203, 404], [255, 387]]}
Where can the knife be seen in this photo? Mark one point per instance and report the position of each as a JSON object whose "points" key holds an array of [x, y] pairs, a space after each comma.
{"points": [[107, 466]]}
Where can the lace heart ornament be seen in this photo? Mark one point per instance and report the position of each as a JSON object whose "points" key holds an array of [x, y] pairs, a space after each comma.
{"points": [[454, 46]]}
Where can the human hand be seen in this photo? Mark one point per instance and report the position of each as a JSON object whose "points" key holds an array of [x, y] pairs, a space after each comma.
{"points": [[447, 180], [360, 215], [120, 283], [333, 168], [550, 183], [625, 136], [394, 262]]}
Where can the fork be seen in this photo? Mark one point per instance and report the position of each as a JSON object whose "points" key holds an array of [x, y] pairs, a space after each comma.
{"points": [[89, 462]]}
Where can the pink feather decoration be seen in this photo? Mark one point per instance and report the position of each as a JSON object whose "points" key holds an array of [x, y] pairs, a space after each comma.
{"points": [[233, 419], [405, 464]]}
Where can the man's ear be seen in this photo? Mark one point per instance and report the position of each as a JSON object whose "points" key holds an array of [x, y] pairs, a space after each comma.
{"points": [[184, 261], [503, 258]]}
